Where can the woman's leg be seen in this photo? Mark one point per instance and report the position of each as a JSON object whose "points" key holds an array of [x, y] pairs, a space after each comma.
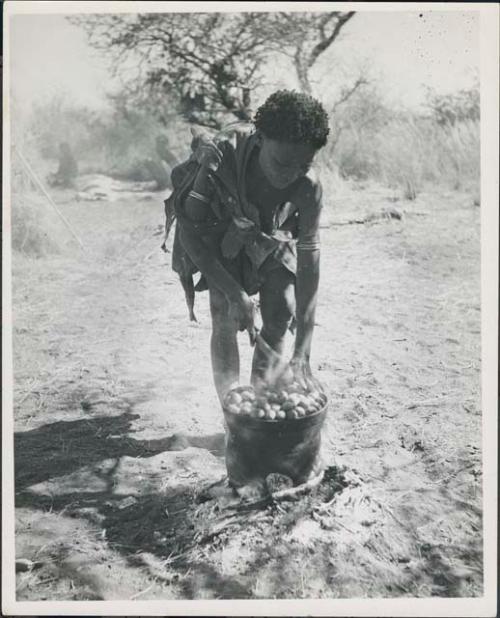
{"points": [[223, 345], [277, 307]]}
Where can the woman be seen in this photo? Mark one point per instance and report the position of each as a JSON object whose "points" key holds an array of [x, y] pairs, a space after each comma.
{"points": [[248, 208]]}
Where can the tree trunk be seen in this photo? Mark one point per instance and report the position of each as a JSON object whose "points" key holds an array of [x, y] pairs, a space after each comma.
{"points": [[302, 71]]}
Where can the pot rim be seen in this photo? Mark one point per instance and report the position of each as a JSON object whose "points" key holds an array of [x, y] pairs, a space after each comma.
{"points": [[285, 424]]}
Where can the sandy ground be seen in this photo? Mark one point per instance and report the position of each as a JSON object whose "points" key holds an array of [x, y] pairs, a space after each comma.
{"points": [[118, 430]]}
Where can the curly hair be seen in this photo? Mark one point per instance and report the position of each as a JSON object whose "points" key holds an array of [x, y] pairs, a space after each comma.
{"points": [[294, 117]]}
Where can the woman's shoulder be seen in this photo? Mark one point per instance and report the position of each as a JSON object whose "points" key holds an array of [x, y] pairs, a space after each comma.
{"points": [[308, 189]]}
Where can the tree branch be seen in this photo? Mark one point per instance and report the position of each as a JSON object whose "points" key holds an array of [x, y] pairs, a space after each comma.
{"points": [[318, 49], [348, 92]]}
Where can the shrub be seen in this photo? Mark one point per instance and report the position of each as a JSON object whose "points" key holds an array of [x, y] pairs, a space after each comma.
{"points": [[369, 140], [450, 109], [115, 141], [404, 149]]}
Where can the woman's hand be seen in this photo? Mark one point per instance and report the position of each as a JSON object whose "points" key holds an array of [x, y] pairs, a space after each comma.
{"points": [[206, 152], [242, 309], [301, 373]]}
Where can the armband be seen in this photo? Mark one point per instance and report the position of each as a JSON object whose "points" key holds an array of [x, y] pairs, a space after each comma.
{"points": [[308, 245]]}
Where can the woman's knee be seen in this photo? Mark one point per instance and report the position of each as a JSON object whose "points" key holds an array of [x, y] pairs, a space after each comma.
{"points": [[275, 327], [220, 311], [277, 318], [278, 302]]}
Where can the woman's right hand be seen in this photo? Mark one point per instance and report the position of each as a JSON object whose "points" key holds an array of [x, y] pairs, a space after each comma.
{"points": [[243, 311]]}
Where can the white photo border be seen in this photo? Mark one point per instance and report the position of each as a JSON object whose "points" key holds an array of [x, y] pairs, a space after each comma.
{"points": [[481, 606]]}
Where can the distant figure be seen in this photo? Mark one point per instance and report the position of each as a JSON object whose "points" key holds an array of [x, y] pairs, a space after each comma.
{"points": [[160, 168], [164, 152], [68, 168], [158, 171]]}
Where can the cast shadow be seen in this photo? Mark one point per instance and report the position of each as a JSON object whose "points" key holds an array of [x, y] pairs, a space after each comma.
{"points": [[60, 448]]}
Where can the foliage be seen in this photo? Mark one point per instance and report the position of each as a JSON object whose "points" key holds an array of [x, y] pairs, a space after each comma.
{"points": [[116, 141], [369, 140], [461, 106], [305, 36], [402, 149], [207, 65]]}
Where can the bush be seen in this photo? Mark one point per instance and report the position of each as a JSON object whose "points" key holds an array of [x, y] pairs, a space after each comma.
{"points": [[405, 150], [450, 109], [115, 141], [369, 141]]}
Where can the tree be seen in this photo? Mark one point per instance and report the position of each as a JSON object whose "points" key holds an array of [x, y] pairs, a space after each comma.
{"points": [[307, 36], [207, 65]]}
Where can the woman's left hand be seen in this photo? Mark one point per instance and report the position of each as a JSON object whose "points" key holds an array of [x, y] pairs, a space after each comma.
{"points": [[302, 374]]}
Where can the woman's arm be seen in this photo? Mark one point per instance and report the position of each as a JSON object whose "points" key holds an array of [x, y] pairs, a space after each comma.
{"points": [[204, 257], [308, 198]]}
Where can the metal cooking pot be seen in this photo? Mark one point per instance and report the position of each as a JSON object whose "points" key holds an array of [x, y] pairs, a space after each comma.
{"points": [[258, 447]]}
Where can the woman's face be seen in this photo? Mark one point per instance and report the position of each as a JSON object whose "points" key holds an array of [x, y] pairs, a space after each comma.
{"points": [[283, 163]]}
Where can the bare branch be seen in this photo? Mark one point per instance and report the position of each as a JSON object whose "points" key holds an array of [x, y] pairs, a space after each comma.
{"points": [[324, 44], [348, 92]]}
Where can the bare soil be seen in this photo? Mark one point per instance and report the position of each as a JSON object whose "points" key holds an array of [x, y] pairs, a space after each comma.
{"points": [[118, 432]]}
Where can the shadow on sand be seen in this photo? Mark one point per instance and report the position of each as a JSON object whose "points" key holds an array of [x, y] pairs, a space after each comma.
{"points": [[163, 524], [63, 447], [159, 523]]}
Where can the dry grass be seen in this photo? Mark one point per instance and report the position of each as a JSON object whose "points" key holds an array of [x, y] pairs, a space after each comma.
{"points": [[410, 154], [36, 228]]}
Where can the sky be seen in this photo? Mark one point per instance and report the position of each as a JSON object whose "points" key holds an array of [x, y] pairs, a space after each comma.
{"points": [[404, 51]]}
